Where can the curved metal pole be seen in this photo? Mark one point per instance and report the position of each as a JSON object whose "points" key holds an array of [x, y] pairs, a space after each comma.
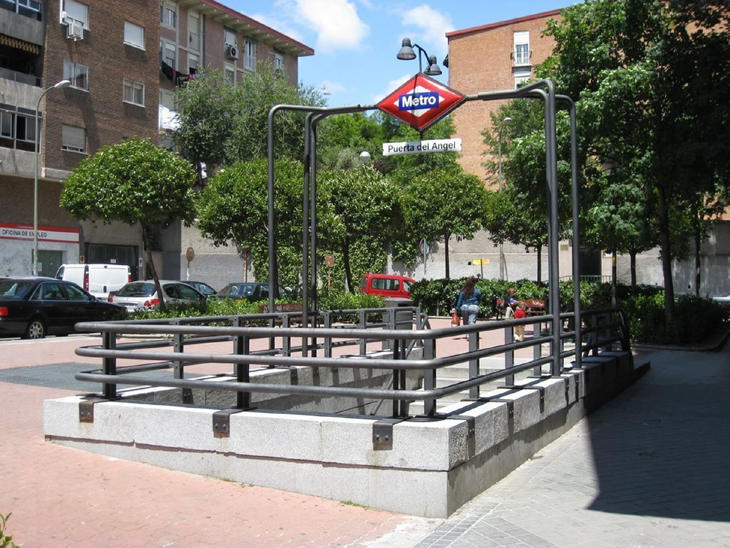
{"points": [[576, 232]]}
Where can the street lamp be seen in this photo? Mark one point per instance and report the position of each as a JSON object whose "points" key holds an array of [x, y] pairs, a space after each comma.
{"points": [[506, 120], [406, 53], [365, 157], [61, 84]]}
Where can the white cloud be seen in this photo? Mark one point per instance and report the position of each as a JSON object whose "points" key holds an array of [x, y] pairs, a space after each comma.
{"points": [[336, 22], [332, 88], [433, 26], [391, 87]]}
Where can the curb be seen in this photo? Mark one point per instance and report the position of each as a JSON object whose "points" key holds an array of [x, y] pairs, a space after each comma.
{"points": [[713, 342]]}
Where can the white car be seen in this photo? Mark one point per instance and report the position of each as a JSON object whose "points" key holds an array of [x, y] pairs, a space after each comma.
{"points": [[722, 300], [143, 294]]}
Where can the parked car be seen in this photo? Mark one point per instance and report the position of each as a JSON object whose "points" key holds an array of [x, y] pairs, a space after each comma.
{"points": [[386, 285], [203, 287], [97, 279], [34, 307], [143, 294], [251, 291], [722, 300]]}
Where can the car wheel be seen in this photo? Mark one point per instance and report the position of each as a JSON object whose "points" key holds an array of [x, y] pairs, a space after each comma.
{"points": [[36, 329]]}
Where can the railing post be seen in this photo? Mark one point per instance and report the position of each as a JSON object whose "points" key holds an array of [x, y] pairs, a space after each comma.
{"points": [[474, 363], [536, 351], [429, 376], [286, 339], [243, 398], [179, 342], [363, 324], [327, 321], [509, 356], [109, 364]]}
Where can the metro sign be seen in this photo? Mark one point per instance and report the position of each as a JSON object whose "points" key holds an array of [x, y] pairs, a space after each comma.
{"points": [[421, 101]]}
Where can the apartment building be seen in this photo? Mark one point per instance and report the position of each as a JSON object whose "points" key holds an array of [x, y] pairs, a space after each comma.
{"points": [[123, 59], [502, 55]]}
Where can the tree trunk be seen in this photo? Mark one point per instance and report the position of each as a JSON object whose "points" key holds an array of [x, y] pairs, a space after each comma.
{"points": [[614, 276], [148, 254], [666, 251], [346, 263], [632, 254], [698, 260], [539, 263], [446, 255]]}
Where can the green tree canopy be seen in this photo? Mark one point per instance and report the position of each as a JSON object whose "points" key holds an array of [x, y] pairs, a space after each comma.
{"points": [[132, 182], [445, 203], [233, 208]]}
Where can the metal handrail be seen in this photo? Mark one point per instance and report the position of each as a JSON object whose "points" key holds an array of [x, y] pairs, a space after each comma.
{"points": [[600, 334]]}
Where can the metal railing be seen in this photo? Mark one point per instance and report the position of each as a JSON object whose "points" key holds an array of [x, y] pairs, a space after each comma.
{"points": [[398, 330]]}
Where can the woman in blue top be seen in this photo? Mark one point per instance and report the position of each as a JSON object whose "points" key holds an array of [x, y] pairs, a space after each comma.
{"points": [[468, 302]]}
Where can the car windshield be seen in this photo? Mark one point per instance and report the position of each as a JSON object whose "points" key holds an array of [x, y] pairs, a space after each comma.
{"points": [[14, 289], [238, 290], [145, 289]]}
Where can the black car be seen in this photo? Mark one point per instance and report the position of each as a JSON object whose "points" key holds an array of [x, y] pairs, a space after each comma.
{"points": [[251, 291], [34, 307]]}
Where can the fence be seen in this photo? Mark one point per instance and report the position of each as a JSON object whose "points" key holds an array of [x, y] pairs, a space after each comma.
{"points": [[397, 330]]}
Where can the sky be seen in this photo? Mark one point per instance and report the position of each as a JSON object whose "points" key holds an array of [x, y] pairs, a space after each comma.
{"points": [[355, 42]]}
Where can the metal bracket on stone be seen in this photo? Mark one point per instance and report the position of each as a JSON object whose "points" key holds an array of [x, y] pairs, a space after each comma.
{"points": [[86, 408], [187, 395], [383, 434], [542, 394], [510, 406], [222, 422], [470, 432]]}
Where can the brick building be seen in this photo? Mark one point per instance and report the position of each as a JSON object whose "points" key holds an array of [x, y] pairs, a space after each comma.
{"points": [[124, 59]]}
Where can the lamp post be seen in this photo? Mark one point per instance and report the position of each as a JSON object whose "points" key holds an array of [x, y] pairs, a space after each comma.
{"points": [[364, 157], [61, 84], [506, 120], [406, 53]]}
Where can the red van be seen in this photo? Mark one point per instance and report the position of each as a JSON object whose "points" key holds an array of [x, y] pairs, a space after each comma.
{"points": [[386, 285]]}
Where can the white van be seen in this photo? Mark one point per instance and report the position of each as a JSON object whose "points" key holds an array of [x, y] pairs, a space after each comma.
{"points": [[97, 279]]}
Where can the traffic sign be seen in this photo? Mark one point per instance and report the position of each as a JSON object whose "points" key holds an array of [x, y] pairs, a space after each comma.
{"points": [[421, 101]]}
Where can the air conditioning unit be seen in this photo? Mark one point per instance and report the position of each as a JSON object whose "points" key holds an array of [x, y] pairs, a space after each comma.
{"points": [[231, 51], [75, 30]]}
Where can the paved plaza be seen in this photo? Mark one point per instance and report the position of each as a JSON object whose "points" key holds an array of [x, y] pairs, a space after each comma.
{"points": [[647, 469]]}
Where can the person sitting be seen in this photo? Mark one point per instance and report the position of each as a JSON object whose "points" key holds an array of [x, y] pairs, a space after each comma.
{"points": [[468, 302], [510, 303]]}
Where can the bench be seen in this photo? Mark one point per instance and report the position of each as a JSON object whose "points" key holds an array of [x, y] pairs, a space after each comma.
{"points": [[533, 307], [281, 307]]}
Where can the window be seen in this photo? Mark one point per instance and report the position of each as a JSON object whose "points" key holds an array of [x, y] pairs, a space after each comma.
{"points": [[278, 61], [133, 92], [521, 77], [73, 139], [167, 52], [133, 35], [17, 130], [29, 8], [167, 99], [249, 55], [194, 30], [193, 63], [75, 294], [168, 14], [76, 12], [230, 37], [77, 74], [521, 53], [229, 75]]}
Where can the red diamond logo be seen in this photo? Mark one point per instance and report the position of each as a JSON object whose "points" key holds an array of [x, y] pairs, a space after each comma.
{"points": [[421, 101]]}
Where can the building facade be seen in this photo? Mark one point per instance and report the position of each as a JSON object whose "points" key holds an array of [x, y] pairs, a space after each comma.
{"points": [[124, 59]]}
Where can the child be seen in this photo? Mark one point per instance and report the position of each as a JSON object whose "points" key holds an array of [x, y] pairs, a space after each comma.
{"points": [[519, 314]]}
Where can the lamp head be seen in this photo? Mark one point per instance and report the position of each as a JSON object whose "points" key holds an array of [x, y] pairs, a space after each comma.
{"points": [[433, 68], [406, 52], [62, 84]]}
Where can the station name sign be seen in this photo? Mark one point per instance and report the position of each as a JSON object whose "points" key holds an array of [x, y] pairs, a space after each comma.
{"points": [[417, 147]]}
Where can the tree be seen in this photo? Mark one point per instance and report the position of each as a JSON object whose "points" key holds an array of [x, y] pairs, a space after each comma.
{"points": [[132, 182], [654, 78], [445, 203], [206, 106], [221, 124], [233, 207], [362, 208]]}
